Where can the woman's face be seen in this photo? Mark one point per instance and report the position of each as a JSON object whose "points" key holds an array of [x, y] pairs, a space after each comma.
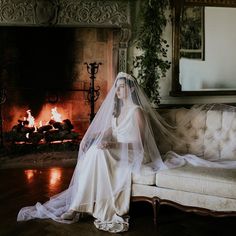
{"points": [[121, 89]]}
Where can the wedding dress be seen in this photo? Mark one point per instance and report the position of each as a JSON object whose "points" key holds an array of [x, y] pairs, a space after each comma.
{"points": [[102, 174], [120, 140]]}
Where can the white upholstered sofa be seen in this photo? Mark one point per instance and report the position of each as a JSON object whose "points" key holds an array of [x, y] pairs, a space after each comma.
{"points": [[199, 189]]}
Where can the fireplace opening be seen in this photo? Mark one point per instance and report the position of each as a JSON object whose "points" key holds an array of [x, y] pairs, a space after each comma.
{"points": [[38, 57], [42, 68]]}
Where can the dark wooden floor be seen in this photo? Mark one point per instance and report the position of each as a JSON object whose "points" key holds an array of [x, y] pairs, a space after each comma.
{"points": [[22, 187]]}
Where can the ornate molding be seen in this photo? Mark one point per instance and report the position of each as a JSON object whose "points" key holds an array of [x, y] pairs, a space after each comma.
{"points": [[13, 12], [157, 202], [122, 59], [102, 13], [46, 12], [108, 13], [125, 36], [76, 13]]}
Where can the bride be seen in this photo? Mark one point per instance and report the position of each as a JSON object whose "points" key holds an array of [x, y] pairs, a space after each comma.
{"points": [[119, 140]]}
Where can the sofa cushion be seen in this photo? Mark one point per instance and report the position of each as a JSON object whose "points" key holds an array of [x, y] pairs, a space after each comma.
{"points": [[220, 135], [147, 176], [209, 134], [203, 180], [184, 198]]}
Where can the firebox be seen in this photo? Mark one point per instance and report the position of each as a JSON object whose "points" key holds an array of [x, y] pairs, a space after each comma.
{"points": [[30, 131], [45, 83]]}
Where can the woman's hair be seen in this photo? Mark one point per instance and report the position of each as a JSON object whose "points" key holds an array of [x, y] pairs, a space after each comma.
{"points": [[118, 102]]}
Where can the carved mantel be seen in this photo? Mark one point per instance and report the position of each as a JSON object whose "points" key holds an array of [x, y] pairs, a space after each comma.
{"points": [[76, 13]]}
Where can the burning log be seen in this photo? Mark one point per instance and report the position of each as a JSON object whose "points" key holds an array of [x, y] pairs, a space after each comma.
{"points": [[15, 137], [60, 135], [64, 125], [23, 127], [56, 124], [44, 128], [54, 135], [34, 137], [67, 124], [55, 130], [23, 122]]}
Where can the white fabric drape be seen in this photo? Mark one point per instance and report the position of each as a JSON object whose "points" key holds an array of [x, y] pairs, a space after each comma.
{"points": [[121, 138], [217, 124]]}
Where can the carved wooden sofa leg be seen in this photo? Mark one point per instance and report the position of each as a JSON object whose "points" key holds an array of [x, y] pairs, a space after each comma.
{"points": [[155, 204]]}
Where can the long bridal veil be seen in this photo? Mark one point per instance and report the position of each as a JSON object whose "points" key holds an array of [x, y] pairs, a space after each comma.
{"points": [[122, 137], [120, 140], [206, 134]]}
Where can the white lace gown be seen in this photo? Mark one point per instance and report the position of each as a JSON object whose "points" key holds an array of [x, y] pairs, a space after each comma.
{"points": [[99, 173]]}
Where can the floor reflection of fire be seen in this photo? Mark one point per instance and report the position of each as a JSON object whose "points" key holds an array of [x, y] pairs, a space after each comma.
{"points": [[53, 176], [54, 130], [30, 175]]}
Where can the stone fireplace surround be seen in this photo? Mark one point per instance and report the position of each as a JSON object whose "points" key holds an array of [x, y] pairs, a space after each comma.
{"points": [[72, 13], [109, 18]]}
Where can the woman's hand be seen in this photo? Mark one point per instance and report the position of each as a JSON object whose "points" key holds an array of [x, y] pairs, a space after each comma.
{"points": [[107, 145]]}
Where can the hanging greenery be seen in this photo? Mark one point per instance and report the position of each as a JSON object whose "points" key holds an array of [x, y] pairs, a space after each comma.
{"points": [[152, 64]]}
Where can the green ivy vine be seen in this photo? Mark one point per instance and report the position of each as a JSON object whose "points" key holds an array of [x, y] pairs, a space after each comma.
{"points": [[152, 63]]}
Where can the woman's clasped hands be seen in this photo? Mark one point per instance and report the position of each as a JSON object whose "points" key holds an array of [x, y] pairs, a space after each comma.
{"points": [[106, 145]]}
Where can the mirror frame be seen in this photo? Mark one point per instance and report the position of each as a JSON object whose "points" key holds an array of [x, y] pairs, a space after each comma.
{"points": [[177, 5]]}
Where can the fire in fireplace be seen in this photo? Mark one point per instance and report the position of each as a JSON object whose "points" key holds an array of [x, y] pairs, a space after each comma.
{"points": [[45, 67], [45, 129]]}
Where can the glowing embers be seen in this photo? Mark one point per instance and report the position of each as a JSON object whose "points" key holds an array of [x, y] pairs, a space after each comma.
{"points": [[56, 129]]}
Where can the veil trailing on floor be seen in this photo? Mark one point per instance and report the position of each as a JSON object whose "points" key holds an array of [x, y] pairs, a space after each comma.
{"points": [[121, 138]]}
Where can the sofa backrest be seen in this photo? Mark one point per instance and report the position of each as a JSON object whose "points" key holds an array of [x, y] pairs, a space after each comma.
{"points": [[210, 134]]}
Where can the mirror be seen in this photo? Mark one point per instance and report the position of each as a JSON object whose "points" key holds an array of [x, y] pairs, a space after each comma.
{"points": [[204, 51]]}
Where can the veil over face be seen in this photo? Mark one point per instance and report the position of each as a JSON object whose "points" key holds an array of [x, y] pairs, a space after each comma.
{"points": [[119, 140], [124, 98]]}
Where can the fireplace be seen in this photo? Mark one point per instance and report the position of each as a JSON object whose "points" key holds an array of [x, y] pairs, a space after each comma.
{"points": [[43, 69], [43, 48]]}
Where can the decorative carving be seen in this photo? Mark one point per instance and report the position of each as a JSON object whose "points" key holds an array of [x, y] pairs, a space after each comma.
{"points": [[77, 13], [125, 36], [13, 12], [157, 202], [122, 59], [108, 13], [46, 12]]}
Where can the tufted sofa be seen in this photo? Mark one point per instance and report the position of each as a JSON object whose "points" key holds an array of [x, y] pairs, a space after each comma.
{"points": [[210, 135]]}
